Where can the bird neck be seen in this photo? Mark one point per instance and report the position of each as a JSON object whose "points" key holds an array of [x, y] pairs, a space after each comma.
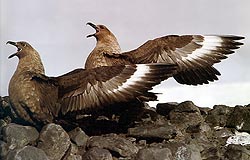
{"points": [[108, 43], [30, 63]]}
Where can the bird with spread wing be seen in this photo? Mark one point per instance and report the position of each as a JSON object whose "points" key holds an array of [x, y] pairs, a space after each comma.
{"points": [[194, 55], [39, 99]]}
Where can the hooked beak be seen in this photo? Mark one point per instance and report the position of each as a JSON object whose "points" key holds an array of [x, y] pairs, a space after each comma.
{"points": [[14, 44], [94, 26]]}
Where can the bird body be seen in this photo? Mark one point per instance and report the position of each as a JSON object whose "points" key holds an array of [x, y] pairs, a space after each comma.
{"points": [[194, 55], [39, 99], [23, 90]]}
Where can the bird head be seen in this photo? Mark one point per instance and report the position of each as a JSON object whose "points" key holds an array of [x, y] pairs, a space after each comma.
{"points": [[101, 31], [22, 48]]}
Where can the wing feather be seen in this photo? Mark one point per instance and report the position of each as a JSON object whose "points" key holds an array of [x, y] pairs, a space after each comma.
{"points": [[102, 86], [193, 54]]}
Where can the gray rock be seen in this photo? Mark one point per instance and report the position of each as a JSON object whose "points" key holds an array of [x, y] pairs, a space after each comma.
{"points": [[3, 149], [97, 154], [184, 151], [18, 136], [210, 153], [165, 108], [54, 141], [237, 152], [27, 153], [6, 111], [78, 136], [114, 143], [154, 153], [218, 115], [240, 119], [153, 131], [73, 153], [186, 114]]}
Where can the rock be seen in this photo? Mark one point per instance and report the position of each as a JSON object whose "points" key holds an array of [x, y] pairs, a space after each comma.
{"points": [[218, 115], [97, 154], [237, 152], [184, 151], [74, 157], [210, 153], [204, 111], [136, 114], [240, 119], [18, 136], [3, 149], [153, 131], [79, 137], [114, 143], [165, 108], [6, 111], [73, 153], [54, 141], [186, 114], [154, 153], [27, 153]]}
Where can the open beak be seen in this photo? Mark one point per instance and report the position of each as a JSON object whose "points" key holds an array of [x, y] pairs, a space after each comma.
{"points": [[94, 26], [14, 44]]}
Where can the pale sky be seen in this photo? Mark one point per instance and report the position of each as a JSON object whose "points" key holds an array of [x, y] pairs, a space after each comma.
{"points": [[57, 30]]}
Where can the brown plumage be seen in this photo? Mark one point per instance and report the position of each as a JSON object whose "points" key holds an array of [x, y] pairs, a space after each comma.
{"points": [[195, 55], [37, 98]]}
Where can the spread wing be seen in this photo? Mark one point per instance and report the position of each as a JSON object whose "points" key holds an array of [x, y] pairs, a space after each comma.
{"points": [[48, 94], [89, 89], [194, 54]]}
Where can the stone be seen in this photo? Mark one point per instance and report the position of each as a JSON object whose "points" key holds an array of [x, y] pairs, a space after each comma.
{"points": [[153, 131], [165, 108], [240, 119], [114, 143], [73, 153], [18, 136], [96, 153], [184, 151], [210, 153], [79, 137], [237, 152], [27, 153], [186, 114], [3, 149], [6, 111], [218, 115], [153, 153], [54, 141]]}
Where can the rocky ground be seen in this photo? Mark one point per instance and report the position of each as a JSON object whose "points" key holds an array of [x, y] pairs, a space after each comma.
{"points": [[171, 131]]}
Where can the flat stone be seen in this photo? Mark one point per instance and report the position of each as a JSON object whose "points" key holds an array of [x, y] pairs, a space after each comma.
{"points": [[186, 114], [97, 154], [122, 146], [27, 153], [153, 131], [18, 136], [78, 136], [54, 141], [154, 153]]}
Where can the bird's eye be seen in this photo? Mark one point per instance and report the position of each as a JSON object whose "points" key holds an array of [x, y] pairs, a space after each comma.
{"points": [[23, 44], [102, 27]]}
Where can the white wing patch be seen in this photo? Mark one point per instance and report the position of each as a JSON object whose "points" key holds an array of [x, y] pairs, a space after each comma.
{"points": [[208, 44], [141, 71]]}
